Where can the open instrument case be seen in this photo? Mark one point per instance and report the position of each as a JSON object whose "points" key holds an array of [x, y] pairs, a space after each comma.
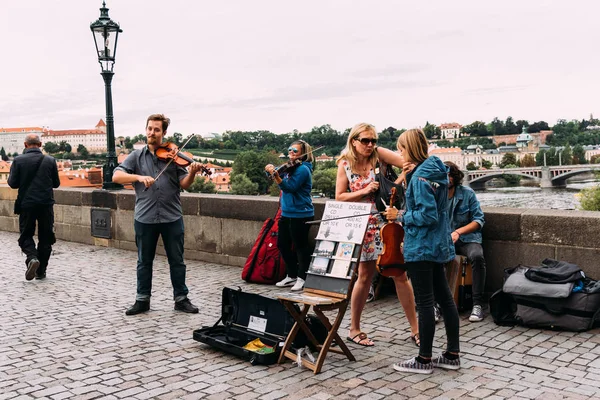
{"points": [[245, 317]]}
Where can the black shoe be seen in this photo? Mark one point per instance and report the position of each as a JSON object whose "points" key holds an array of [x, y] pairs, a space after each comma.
{"points": [[32, 267], [40, 275], [186, 306], [138, 307]]}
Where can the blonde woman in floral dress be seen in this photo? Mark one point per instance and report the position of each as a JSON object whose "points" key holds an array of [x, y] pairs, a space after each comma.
{"points": [[356, 182]]}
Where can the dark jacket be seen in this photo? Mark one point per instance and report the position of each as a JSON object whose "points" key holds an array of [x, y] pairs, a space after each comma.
{"points": [[426, 224], [553, 271], [40, 191], [296, 201]]}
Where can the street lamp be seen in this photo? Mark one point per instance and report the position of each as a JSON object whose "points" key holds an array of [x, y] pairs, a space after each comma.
{"points": [[106, 33]]}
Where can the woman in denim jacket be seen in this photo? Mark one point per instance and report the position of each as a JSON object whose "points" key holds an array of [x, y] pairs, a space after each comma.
{"points": [[427, 247]]}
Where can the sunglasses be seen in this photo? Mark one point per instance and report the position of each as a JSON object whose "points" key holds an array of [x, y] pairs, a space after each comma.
{"points": [[366, 141], [293, 149]]}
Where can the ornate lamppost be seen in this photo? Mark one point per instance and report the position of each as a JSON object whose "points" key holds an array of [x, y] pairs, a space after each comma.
{"points": [[106, 33]]}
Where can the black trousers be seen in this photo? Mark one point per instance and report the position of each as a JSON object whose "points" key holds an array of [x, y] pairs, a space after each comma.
{"points": [[292, 242], [474, 253], [429, 282], [43, 216]]}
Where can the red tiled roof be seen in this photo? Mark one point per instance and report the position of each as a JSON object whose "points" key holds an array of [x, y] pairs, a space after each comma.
{"points": [[100, 123], [19, 130], [74, 132], [450, 125], [445, 150]]}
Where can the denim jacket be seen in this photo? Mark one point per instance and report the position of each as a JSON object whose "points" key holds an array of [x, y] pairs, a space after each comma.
{"points": [[426, 223], [463, 209]]}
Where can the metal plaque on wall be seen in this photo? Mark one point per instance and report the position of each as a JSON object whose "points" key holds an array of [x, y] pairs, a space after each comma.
{"points": [[101, 222]]}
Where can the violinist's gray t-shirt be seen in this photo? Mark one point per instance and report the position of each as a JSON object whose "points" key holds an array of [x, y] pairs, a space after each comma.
{"points": [[161, 203]]}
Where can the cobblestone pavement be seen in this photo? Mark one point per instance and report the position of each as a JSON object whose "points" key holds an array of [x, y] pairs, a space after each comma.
{"points": [[68, 337]]}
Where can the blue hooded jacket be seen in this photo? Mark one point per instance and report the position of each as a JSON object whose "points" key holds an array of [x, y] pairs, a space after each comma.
{"points": [[296, 201], [426, 223]]}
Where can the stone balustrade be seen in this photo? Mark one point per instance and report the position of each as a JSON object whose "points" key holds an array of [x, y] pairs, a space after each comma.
{"points": [[223, 228]]}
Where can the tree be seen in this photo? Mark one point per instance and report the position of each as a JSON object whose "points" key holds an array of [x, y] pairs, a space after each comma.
{"points": [[589, 198], [324, 181], [595, 159], [510, 178], [508, 159], [579, 155], [496, 127], [520, 124], [83, 151], [477, 128], [539, 158], [3, 154], [528, 161], [511, 127], [51, 148], [471, 166], [274, 189], [566, 156], [486, 164], [202, 184], [241, 184], [252, 165], [431, 131]]}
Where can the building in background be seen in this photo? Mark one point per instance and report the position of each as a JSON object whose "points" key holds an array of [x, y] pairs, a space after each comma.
{"points": [[450, 131], [94, 140], [12, 139]]}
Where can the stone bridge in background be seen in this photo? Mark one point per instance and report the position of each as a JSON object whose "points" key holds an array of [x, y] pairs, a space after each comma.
{"points": [[555, 176]]}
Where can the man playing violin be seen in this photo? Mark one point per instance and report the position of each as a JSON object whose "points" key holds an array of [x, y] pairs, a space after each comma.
{"points": [[157, 213]]}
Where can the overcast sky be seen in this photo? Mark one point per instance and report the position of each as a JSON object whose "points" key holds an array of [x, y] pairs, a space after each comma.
{"points": [[213, 66]]}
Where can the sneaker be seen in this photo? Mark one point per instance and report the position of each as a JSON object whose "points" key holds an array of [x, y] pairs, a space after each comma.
{"points": [[414, 366], [299, 285], [40, 275], [444, 363], [476, 314], [138, 307], [287, 281], [437, 313], [186, 306], [371, 295], [32, 267]]}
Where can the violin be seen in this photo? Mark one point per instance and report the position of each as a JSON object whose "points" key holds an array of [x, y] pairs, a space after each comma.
{"points": [[288, 167], [391, 260], [170, 152]]}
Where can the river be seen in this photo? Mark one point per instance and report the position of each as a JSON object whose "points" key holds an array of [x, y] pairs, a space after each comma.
{"points": [[526, 196]]}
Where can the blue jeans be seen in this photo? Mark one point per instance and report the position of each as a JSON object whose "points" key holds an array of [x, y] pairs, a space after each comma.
{"points": [[429, 281], [146, 239]]}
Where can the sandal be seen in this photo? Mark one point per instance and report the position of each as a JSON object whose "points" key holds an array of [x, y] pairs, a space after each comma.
{"points": [[416, 339], [361, 338]]}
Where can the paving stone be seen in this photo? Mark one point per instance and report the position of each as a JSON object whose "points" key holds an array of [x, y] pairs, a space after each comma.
{"points": [[81, 345]]}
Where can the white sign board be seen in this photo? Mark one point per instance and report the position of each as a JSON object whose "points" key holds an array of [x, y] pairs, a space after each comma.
{"points": [[344, 222]]}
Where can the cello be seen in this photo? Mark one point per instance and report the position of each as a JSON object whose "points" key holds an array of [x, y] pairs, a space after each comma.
{"points": [[391, 260]]}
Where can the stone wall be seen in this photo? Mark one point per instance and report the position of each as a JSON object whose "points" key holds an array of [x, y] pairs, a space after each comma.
{"points": [[223, 228]]}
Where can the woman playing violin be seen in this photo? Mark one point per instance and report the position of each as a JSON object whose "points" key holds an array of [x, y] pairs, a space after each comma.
{"points": [[157, 213], [296, 209], [356, 182]]}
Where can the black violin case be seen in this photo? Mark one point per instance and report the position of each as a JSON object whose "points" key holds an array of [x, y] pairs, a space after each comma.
{"points": [[245, 317]]}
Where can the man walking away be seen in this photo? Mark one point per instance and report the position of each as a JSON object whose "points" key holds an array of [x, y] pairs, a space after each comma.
{"points": [[35, 175]]}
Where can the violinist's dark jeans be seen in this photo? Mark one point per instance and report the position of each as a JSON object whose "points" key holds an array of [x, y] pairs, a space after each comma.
{"points": [[146, 239], [292, 242], [474, 253], [429, 282], [44, 217]]}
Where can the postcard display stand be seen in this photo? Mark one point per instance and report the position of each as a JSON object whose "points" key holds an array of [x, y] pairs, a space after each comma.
{"points": [[329, 280]]}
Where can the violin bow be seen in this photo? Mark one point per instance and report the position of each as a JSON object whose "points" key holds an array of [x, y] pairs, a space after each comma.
{"points": [[171, 160]]}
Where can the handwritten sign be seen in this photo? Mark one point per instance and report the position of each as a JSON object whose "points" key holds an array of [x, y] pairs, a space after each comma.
{"points": [[344, 222]]}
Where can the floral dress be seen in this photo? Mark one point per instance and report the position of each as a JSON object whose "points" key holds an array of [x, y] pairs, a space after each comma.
{"points": [[372, 245]]}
